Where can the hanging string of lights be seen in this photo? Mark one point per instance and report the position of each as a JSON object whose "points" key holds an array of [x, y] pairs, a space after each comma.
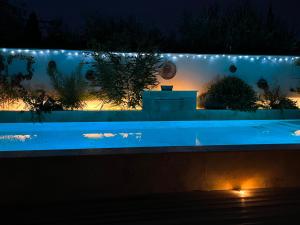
{"points": [[167, 56]]}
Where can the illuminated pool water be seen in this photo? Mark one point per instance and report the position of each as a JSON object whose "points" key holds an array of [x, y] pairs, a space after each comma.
{"points": [[64, 136]]}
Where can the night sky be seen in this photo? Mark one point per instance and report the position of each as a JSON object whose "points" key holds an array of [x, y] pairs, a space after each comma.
{"points": [[162, 13]]}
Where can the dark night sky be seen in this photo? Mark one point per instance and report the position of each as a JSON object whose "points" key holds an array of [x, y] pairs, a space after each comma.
{"points": [[162, 13]]}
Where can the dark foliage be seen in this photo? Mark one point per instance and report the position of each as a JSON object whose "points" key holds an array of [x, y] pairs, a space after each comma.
{"points": [[39, 102], [241, 29], [229, 93], [273, 98], [32, 33], [71, 89], [122, 78], [11, 87], [11, 24], [121, 35]]}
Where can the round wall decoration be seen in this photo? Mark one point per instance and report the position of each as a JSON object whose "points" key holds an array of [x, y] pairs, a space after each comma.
{"points": [[90, 75], [232, 68], [167, 70]]}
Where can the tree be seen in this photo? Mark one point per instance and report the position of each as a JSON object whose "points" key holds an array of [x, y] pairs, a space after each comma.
{"points": [[240, 29], [122, 34], [33, 36], [11, 24]]}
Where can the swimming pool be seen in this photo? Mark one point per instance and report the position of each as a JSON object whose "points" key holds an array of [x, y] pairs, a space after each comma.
{"points": [[119, 135]]}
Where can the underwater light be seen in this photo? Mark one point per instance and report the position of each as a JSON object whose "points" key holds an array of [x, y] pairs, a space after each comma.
{"points": [[240, 193]]}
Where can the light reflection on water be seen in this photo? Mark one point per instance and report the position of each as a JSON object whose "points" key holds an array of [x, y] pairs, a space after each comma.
{"points": [[111, 135], [75, 136], [296, 133], [17, 137], [98, 135]]}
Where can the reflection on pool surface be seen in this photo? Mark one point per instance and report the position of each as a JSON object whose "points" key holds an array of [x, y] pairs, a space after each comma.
{"points": [[18, 137], [55, 136], [297, 133], [110, 135]]}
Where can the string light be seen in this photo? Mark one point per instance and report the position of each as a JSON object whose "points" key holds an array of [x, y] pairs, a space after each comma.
{"points": [[233, 58]]}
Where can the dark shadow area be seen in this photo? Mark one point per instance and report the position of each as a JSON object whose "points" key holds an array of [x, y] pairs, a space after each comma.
{"points": [[237, 28], [260, 206]]}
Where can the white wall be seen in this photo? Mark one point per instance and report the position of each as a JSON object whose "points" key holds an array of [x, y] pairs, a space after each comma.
{"points": [[193, 71]]}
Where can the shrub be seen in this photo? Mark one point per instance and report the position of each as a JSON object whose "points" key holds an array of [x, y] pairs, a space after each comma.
{"points": [[273, 98], [230, 93], [71, 89], [39, 102], [11, 84], [123, 78]]}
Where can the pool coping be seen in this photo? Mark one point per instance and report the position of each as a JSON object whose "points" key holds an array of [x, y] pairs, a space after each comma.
{"points": [[146, 150]]}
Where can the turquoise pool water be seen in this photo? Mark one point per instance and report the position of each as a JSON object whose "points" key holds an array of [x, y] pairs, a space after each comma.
{"points": [[64, 136]]}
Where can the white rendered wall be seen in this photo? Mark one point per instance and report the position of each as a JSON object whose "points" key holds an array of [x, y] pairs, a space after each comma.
{"points": [[194, 71]]}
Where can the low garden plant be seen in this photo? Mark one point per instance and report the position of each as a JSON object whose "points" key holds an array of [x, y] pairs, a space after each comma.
{"points": [[229, 92], [273, 98]]}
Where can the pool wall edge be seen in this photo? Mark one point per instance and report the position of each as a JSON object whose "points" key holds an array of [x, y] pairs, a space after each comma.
{"points": [[61, 178], [135, 115]]}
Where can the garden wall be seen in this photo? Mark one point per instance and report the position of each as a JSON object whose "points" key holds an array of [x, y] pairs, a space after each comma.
{"points": [[194, 71]]}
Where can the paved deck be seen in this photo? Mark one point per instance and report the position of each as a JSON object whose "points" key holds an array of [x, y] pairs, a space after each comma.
{"points": [[216, 207]]}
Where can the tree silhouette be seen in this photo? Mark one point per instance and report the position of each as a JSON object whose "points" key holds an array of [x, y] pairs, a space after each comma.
{"points": [[32, 32], [10, 24]]}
